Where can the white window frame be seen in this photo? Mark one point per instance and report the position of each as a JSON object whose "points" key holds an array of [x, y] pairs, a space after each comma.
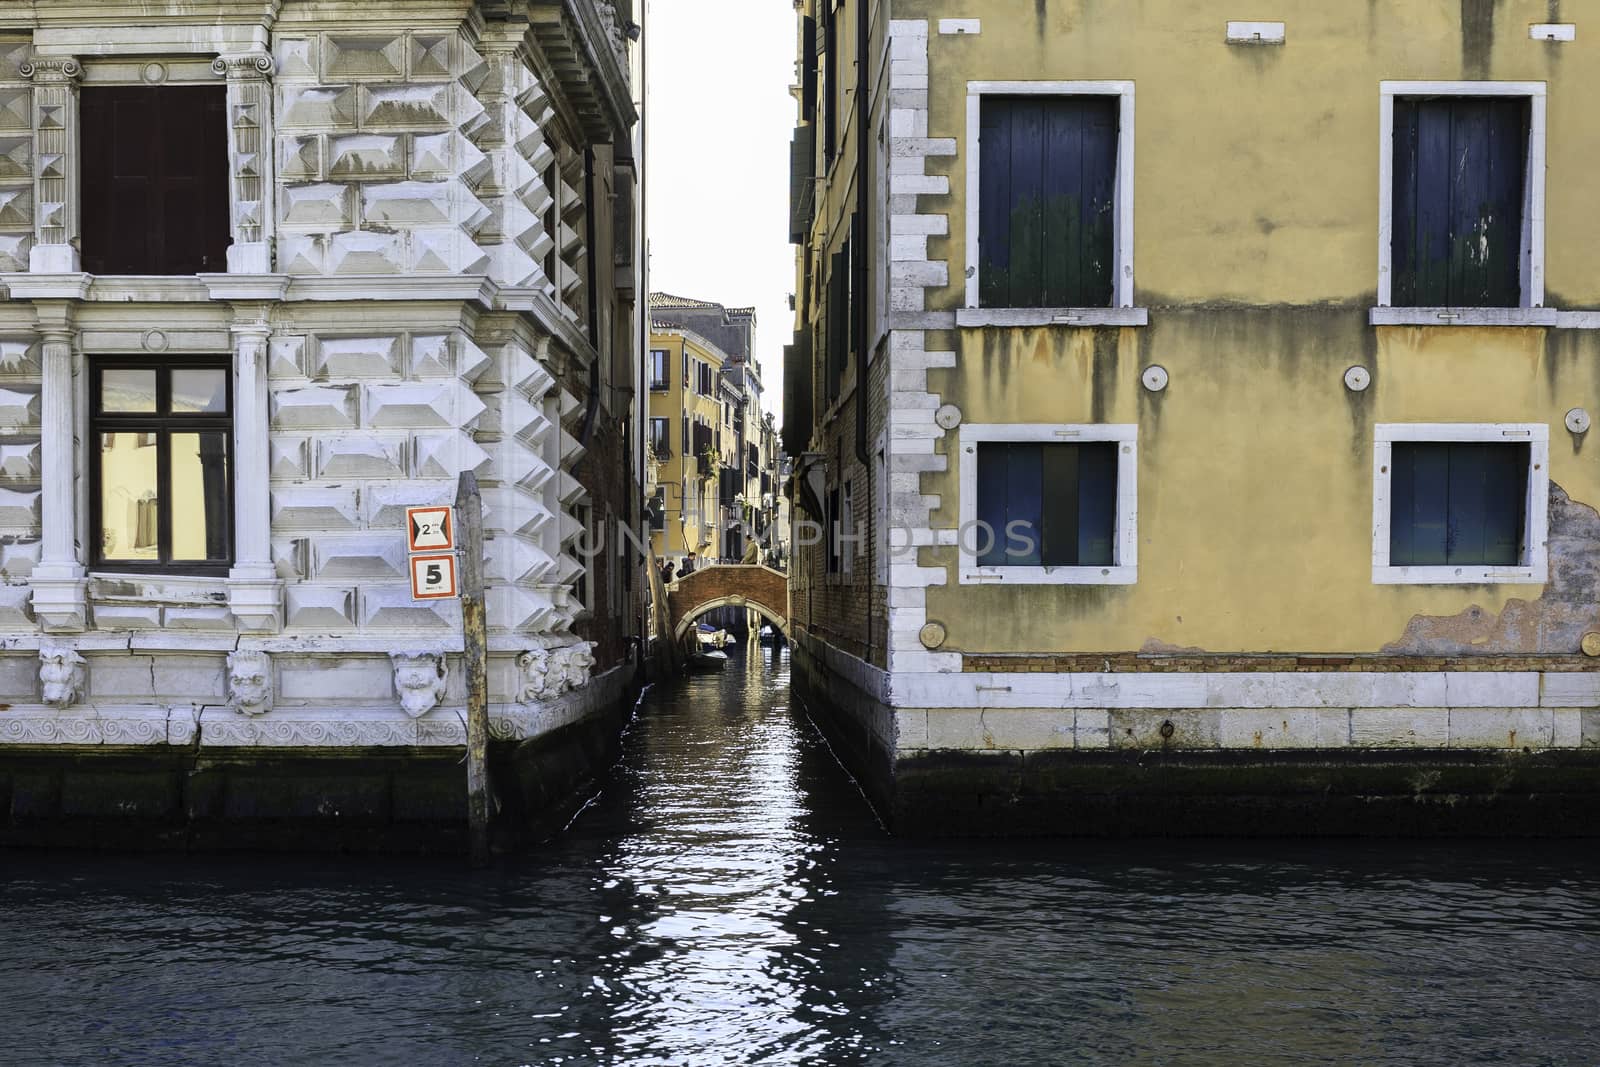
{"points": [[1536, 511], [1125, 566], [1121, 312], [1532, 311]]}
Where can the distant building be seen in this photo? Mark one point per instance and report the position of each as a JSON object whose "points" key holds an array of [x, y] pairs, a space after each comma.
{"points": [[714, 449], [1239, 485]]}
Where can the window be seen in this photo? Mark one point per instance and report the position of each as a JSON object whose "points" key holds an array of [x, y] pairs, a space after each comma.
{"points": [[154, 179], [1048, 176], [838, 317], [657, 512], [661, 437], [1048, 504], [832, 523], [1460, 503], [705, 382], [585, 549], [161, 491], [1462, 202], [660, 369], [1459, 168], [1050, 204]]}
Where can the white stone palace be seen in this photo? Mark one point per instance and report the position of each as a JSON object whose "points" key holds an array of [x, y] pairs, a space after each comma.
{"points": [[273, 271]]}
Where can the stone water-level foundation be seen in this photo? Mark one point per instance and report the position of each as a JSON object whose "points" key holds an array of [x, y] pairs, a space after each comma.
{"points": [[1289, 752], [354, 752]]}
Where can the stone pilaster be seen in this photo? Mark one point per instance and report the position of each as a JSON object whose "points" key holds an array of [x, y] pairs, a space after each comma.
{"points": [[58, 578], [250, 159], [255, 593], [56, 155]]}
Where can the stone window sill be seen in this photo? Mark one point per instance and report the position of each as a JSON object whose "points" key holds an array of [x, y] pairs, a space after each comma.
{"points": [[1129, 316], [1115, 575], [1437, 316], [1476, 575]]}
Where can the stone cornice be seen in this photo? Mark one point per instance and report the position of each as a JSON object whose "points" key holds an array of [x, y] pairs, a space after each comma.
{"points": [[576, 45], [50, 14]]}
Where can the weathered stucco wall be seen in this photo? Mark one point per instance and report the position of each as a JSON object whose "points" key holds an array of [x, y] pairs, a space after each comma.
{"points": [[1255, 476], [1256, 220], [1257, 166]]}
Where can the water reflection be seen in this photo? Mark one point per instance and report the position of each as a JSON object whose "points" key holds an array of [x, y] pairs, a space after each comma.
{"points": [[730, 899]]}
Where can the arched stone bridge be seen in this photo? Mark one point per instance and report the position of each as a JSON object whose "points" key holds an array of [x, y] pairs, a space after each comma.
{"points": [[730, 585]]}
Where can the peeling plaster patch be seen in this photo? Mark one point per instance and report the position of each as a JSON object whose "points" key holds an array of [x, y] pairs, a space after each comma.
{"points": [[1553, 624]]}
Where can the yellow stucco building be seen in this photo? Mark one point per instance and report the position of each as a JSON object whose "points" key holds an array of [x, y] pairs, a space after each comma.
{"points": [[684, 442], [1210, 402]]}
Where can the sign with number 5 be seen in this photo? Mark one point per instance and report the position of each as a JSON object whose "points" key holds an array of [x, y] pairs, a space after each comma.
{"points": [[433, 577]]}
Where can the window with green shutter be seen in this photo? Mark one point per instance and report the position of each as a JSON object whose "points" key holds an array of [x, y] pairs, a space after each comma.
{"points": [[1046, 505], [1460, 170], [1457, 502], [1047, 190]]}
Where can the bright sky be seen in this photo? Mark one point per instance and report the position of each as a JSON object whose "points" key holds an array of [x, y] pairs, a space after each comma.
{"points": [[720, 119]]}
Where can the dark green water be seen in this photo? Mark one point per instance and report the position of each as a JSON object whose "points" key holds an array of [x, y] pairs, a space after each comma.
{"points": [[730, 899]]}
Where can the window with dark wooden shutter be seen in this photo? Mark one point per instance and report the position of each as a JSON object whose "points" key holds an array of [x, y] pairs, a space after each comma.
{"points": [[808, 68], [1454, 503], [1047, 186], [1460, 169], [832, 524], [154, 179], [838, 321], [1050, 505]]}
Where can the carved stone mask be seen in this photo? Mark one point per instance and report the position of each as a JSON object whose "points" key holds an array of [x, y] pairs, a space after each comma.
{"points": [[60, 676], [419, 679], [250, 682], [535, 667]]}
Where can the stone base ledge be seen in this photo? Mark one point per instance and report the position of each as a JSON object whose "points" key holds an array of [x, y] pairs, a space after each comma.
{"points": [[1510, 729], [304, 727]]}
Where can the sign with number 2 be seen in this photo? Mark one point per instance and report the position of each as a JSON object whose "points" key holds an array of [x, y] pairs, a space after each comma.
{"points": [[430, 529]]}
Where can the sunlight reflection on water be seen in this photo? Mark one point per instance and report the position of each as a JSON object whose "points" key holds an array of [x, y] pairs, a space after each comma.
{"points": [[730, 899]]}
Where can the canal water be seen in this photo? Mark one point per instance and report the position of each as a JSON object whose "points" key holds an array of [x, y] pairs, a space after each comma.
{"points": [[729, 898]]}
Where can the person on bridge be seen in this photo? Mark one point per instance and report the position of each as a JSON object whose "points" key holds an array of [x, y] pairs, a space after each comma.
{"points": [[667, 573], [688, 566], [752, 552]]}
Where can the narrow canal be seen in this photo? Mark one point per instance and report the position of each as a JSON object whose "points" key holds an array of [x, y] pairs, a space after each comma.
{"points": [[730, 899]]}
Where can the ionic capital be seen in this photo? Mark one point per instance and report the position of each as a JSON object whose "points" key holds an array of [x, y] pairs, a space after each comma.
{"points": [[52, 69], [245, 66]]}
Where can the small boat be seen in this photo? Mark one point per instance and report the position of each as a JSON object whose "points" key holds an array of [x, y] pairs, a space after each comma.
{"points": [[709, 638], [707, 661], [768, 634]]}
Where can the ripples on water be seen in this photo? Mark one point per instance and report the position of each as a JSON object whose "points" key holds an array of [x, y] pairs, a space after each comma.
{"points": [[729, 899]]}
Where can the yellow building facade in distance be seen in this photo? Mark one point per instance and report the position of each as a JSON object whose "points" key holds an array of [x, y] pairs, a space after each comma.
{"points": [[1274, 344], [689, 443]]}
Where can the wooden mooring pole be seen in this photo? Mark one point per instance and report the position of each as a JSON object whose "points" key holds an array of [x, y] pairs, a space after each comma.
{"points": [[475, 653]]}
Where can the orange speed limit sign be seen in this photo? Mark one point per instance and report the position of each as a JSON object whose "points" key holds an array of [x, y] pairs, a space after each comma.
{"points": [[433, 577]]}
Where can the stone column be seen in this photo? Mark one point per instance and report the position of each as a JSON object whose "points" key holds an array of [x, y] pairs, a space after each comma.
{"points": [[55, 168], [255, 594], [250, 159], [58, 578]]}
